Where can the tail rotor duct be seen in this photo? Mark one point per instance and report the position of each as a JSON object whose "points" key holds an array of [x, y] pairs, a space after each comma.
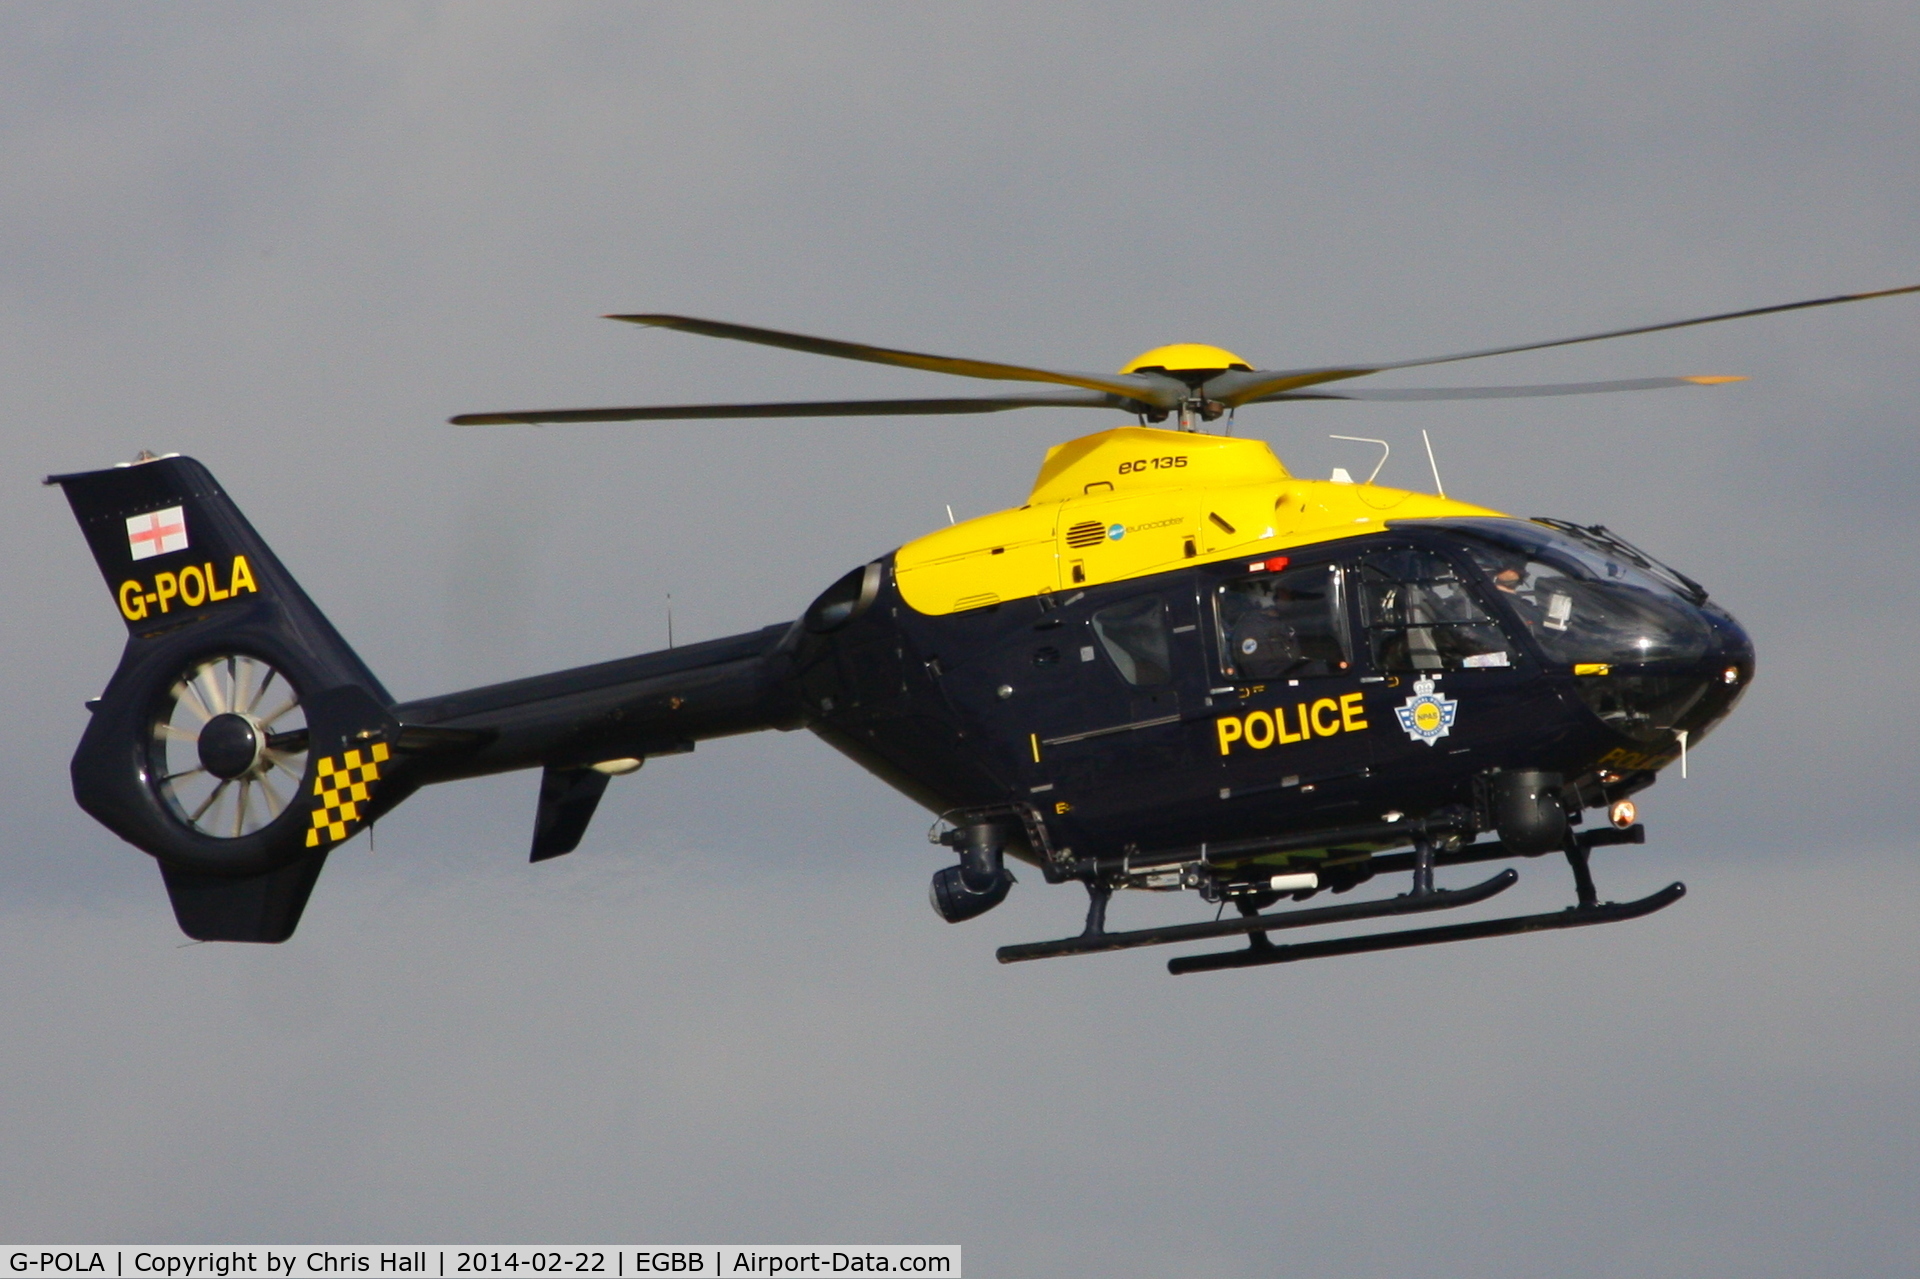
{"points": [[229, 747]]}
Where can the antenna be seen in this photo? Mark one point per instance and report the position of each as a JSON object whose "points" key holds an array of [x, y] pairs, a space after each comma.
{"points": [[1438, 487], [950, 519], [669, 619], [1682, 735], [1361, 439]]}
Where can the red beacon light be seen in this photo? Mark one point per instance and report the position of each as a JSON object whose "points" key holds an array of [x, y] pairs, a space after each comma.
{"points": [[1273, 565]]}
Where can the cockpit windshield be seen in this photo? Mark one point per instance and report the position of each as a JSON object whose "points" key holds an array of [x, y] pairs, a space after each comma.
{"points": [[1583, 602]]}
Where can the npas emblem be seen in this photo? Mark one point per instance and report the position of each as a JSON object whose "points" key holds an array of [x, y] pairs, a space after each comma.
{"points": [[1427, 716]]}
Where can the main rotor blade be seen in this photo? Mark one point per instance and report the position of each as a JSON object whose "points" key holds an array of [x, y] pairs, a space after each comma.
{"points": [[802, 408], [1164, 393], [1237, 388], [1502, 392]]}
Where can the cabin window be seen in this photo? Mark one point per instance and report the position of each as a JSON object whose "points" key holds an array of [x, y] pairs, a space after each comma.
{"points": [[1136, 639], [1287, 624], [1421, 616]]}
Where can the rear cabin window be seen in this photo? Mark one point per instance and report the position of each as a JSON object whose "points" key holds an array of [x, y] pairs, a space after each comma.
{"points": [[1135, 637], [1421, 616], [1280, 625]]}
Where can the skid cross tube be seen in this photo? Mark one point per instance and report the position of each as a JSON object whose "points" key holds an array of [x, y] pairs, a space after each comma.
{"points": [[1571, 917], [1093, 942]]}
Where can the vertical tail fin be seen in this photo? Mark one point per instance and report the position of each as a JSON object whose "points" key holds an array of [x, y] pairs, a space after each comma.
{"points": [[240, 738]]}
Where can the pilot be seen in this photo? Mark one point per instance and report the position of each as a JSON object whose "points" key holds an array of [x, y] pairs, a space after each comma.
{"points": [[1513, 581], [1521, 589]]}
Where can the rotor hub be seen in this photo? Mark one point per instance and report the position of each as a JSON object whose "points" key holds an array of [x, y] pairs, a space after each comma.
{"points": [[1184, 358], [230, 746]]}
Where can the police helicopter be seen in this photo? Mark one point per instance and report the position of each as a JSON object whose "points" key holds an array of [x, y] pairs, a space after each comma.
{"points": [[1176, 666]]}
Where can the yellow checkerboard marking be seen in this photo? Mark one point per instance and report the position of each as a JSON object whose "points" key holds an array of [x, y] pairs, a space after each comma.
{"points": [[341, 785]]}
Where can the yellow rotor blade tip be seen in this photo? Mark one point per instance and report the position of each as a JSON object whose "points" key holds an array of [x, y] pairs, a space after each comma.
{"points": [[1716, 379]]}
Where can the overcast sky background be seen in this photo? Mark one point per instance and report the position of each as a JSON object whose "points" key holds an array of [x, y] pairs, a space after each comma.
{"points": [[291, 240]]}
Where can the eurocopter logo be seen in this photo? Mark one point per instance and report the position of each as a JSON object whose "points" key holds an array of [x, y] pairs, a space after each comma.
{"points": [[1427, 716], [1117, 532]]}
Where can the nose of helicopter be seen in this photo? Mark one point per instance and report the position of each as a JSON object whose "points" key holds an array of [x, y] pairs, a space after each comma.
{"points": [[1725, 672], [1721, 675], [1701, 667], [1652, 655]]}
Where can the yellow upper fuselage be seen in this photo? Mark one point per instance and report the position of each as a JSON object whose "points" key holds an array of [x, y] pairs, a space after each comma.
{"points": [[1134, 501]]}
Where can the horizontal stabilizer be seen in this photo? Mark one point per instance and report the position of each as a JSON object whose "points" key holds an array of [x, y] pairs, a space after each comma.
{"points": [[568, 798]]}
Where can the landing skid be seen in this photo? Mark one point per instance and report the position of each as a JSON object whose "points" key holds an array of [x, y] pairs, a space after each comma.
{"points": [[1094, 942], [1426, 855], [1572, 917]]}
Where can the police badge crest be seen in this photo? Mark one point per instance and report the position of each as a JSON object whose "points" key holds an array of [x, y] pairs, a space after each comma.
{"points": [[1427, 716]]}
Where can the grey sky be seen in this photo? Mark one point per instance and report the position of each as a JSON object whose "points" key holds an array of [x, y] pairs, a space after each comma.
{"points": [[292, 240]]}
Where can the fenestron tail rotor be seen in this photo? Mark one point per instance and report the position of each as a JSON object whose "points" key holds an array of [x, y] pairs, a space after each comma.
{"points": [[229, 747], [1198, 382]]}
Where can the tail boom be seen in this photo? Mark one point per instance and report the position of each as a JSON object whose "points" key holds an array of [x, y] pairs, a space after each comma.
{"points": [[654, 704], [241, 738]]}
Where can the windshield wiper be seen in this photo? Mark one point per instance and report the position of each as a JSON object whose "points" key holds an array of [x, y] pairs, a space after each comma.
{"points": [[1605, 539]]}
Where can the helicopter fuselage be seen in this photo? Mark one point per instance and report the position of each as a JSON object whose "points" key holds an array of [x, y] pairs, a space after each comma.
{"points": [[1372, 667], [1174, 643], [1175, 666]]}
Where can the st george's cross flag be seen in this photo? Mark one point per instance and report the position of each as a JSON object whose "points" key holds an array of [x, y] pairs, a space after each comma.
{"points": [[157, 533]]}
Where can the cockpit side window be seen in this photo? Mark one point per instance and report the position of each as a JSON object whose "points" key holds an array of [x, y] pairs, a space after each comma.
{"points": [[1421, 616], [1134, 633], [1287, 624]]}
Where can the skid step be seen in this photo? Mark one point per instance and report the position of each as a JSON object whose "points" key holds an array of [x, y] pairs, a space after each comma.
{"points": [[1093, 943], [1572, 917]]}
